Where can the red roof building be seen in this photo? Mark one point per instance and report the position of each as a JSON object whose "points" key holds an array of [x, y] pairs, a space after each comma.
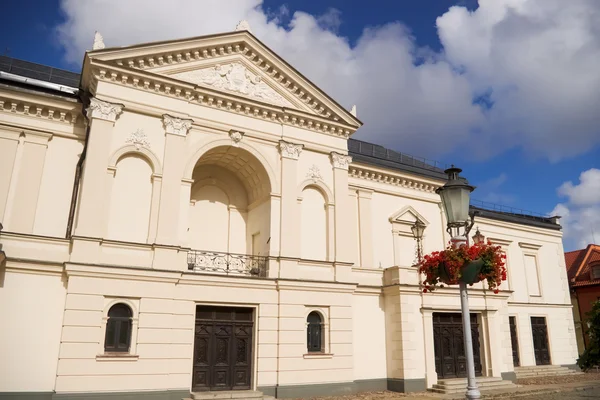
{"points": [[583, 271]]}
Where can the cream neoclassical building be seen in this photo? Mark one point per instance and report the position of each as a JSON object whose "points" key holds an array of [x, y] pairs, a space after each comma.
{"points": [[192, 215]]}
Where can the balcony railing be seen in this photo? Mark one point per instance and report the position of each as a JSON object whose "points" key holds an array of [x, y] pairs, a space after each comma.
{"points": [[227, 263]]}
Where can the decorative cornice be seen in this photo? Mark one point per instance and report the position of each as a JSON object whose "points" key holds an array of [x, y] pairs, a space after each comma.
{"points": [[103, 110], [236, 136], [530, 246], [55, 114], [179, 57], [228, 102], [391, 179], [138, 139], [290, 150], [176, 126], [340, 160]]}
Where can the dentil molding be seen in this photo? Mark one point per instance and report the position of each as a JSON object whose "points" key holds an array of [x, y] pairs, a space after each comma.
{"points": [[290, 150], [176, 126], [340, 160], [103, 110]]}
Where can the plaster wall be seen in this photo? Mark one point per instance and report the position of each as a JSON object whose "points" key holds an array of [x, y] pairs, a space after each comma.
{"points": [[31, 310]]}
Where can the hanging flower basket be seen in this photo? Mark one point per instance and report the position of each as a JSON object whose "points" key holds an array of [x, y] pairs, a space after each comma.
{"points": [[470, 271], [468, 264]]}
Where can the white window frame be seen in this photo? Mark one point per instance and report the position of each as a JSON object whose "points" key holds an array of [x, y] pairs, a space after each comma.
{"points": [[134, 305]]}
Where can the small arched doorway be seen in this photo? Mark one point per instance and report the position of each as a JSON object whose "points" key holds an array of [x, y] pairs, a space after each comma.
{"points": [[229, 215]]}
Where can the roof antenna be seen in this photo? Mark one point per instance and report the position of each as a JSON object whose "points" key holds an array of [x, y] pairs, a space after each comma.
{"points": [[98, 41], [593, 235]]}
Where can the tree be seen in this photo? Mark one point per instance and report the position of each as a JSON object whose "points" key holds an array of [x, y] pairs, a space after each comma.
{"points": [[591, 355]]}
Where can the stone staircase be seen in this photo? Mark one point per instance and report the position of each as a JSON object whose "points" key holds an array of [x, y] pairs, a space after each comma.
{"points": [[538, 371], [459, 386], [227, 395]]}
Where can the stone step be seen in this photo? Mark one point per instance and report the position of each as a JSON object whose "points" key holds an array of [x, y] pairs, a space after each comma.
{"points": [[454, 386], [543, 370], [540, 375], [539, 368], [228, 394], [478, 379]]}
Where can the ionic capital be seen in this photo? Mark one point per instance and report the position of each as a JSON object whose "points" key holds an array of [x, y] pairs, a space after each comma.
{"points": [[340, 160], [103, 110], [176, 126], [290, 150]]}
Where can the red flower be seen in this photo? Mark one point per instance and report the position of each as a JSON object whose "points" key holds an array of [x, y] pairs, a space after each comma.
{"points": [[445, 267]]}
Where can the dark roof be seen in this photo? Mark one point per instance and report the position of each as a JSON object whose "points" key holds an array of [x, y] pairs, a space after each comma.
{"points": [[523, 219], [373, 154], [38, 71]]}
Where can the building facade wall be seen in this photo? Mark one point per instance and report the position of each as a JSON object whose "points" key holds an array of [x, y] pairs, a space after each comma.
{"points": [[166, 179]]}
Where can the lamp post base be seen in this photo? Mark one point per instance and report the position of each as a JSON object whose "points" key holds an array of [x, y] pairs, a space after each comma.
{"points": [[472, 389]]}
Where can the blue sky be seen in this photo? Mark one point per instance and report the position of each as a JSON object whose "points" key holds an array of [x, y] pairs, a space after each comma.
{"points": [[516, 155]]}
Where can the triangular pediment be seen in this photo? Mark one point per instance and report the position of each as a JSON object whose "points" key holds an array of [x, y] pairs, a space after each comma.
{"points": [[236, 64], [407, 216]]}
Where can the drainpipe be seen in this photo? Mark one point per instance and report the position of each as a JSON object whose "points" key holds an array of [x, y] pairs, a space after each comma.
{"points": [[78, 169]]}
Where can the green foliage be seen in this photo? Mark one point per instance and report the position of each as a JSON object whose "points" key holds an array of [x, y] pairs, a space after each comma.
{"points": [[591, 355]]}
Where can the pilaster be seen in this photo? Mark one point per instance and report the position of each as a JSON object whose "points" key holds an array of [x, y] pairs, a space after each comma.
{"points": [[28, 178], [102, 115], [365, 224], [290, 222], [342, 224], [176, 130]]}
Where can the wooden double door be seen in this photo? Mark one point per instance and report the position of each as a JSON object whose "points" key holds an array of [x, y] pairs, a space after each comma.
{"points": [[539, 332], [223, 349], [449, 347]]}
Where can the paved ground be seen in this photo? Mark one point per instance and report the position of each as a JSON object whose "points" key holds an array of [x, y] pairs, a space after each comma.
{"points": [[577, 387], [576, 395]]}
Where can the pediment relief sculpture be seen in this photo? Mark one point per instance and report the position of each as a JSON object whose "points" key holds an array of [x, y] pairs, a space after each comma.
{"points": [[235, 77]]}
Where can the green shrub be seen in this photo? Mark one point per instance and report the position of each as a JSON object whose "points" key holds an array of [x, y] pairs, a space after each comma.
{"points": [[591, 355]]}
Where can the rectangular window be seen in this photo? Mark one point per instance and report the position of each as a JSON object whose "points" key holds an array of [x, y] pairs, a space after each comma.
{"points": [[531, 274]]}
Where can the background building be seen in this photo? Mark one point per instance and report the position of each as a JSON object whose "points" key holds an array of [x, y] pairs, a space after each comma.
{"points": [[583, 268], [192, 215]]}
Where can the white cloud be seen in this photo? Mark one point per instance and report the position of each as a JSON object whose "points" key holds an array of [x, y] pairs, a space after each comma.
{"points": [[581, 211], [538, 62]]}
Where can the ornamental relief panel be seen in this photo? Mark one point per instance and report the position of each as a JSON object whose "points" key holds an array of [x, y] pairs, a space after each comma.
{"points": [[236, 78]]}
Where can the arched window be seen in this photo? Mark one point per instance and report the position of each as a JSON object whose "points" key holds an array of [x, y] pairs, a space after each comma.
{"points": [[314, 332], [118, 329]]}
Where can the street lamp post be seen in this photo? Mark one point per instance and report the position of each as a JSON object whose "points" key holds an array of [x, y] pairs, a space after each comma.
{"points": [[455, 195]]}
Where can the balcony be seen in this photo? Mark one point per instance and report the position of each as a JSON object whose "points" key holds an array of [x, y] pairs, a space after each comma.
{"points": [[227, 263]]}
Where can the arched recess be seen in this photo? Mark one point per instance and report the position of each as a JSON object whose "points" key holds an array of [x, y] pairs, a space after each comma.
{"points": [[316, 222], [327, 193], [132, 196], [141, 151], [230, 199], [204, 148]]}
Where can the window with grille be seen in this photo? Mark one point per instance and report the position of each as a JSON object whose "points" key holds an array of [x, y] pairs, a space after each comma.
{"points": [[118, 329], [314, 332]]}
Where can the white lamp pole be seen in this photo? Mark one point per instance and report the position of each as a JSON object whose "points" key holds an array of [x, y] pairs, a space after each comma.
{"points": [[455, 196]]}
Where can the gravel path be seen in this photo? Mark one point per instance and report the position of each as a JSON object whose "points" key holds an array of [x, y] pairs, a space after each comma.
{"points": [[550, 380]]}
